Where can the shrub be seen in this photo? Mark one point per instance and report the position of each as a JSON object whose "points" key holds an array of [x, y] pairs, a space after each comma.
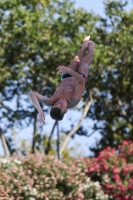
{"points": [[113, 168], [34, 177]]}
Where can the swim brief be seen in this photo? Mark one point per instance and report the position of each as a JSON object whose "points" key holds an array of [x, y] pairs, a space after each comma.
{"points": [[68, 75]]}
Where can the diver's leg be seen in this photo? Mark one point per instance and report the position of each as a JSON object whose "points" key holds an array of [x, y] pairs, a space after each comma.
{"points": [[87, 59], [77, 59]]}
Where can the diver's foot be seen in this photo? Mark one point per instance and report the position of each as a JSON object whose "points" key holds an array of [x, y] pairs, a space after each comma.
{"points": [[91, 44], [85, 42]]}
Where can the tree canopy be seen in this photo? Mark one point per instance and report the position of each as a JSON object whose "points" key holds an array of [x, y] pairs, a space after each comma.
{"points": [[113, 77], [36, 37]]}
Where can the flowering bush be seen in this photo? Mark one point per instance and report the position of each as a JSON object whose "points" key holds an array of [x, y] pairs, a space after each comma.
{"points": [[113, 168], [35, 177]]}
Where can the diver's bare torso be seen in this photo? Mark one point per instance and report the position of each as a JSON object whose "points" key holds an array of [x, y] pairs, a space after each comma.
{"points": [[69, 89]]}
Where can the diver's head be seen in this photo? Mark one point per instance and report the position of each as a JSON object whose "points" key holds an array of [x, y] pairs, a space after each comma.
{"points": [[59, 109]]}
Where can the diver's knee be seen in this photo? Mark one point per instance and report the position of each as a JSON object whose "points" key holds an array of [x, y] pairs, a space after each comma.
{"points": [[30, 92]]}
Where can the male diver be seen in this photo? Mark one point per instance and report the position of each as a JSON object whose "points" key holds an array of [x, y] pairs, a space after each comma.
{"points": [[70, 90]]}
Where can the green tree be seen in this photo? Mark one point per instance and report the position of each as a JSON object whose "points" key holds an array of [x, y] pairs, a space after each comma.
{"points": [[112, 77], [35, 38]]}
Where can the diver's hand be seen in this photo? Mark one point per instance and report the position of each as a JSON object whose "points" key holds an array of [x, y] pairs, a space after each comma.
{"points": [[41, 117], [62, 69]]}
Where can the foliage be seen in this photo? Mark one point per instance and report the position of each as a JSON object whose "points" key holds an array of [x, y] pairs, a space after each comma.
{"points": [[35, 38], [111, 78], [42, 147], [113, 168], [37, 177]]}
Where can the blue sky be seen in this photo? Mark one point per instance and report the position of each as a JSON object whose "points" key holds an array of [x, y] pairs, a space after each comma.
{"points": [[97, 6], [82, 142], [91, 5]]}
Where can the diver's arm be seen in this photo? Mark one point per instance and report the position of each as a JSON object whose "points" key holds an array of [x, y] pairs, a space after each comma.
{"points": [[35, 98]]}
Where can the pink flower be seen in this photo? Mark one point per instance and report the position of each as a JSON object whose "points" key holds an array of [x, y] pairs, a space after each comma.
{"points": [[131, 180], [126, 198], [108, 186], [116, 195], [116, 177], [123, 188], [125, 142], [126, 171], [131, 197], [131, 167], [108, 148], [116, 170], [81, 195], [105, 167], [96, 166], [130, 152], [130, 187], [91, 169]]}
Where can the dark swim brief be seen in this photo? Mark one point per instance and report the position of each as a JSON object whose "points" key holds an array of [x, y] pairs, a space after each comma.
{"points": [[68, 75]]}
